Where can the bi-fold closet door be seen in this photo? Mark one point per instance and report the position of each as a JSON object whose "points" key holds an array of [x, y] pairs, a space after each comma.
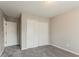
{"points": [[32, 35], [37, 33]]}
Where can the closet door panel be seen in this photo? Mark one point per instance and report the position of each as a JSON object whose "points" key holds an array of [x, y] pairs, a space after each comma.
{"points": [[30, 33], [43, 34], [37, 33], [35, 43]]}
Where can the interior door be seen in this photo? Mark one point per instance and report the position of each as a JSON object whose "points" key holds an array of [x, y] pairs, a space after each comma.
{"points": [[30, 33], [11, 34], [33, 33], [43, 33], [37, 33]]}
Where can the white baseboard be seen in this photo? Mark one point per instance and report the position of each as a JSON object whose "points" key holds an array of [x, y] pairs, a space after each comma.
{"points": [[33, 47], [1, 52], [11, 44], [65, 49]]}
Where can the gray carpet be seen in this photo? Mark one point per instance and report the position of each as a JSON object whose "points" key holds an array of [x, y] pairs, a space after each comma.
{"points": [[42, 51]]}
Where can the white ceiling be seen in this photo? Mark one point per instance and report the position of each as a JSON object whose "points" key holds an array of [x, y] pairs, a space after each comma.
{"points": [[39, 8]]}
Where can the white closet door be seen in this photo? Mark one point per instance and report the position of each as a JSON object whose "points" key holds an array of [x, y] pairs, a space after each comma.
{"points": [[11, 34], [36, 39], [37, 33], [30, 33], [43, 33]]}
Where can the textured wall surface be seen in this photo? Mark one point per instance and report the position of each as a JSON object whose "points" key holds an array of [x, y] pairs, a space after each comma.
{"points": [[65, 31], [1, 33]]}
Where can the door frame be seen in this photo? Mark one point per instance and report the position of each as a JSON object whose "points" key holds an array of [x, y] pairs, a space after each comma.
{"points": [[5, 34]]}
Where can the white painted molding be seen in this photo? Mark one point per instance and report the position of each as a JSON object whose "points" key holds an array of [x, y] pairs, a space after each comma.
{"points": [[65, 49], [2, 52]]}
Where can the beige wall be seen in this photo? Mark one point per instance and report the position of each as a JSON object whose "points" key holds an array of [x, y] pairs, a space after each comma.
{"points": [[65, 31], [12, 19]]}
